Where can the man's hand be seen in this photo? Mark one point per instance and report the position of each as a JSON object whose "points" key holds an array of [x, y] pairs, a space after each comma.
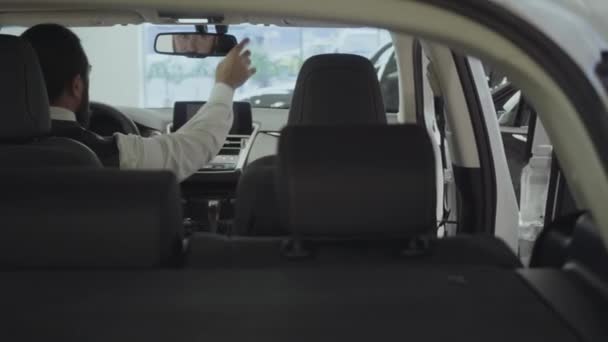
{"points": [[236, 68]]}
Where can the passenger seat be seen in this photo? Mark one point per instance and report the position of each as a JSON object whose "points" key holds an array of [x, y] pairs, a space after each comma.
{"points": [[332, 89], [353, 194]]}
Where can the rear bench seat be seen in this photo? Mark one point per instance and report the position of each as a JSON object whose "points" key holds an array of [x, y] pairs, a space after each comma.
{"points": [[354, 193], [354, 302], [89, 218], [52, 222]]}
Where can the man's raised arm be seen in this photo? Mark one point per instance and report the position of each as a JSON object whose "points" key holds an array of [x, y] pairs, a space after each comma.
{"points": [[197, 142]]}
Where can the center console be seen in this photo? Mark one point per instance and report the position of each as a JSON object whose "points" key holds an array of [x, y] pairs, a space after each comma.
{"points": [[233, 155], [209, 193]]}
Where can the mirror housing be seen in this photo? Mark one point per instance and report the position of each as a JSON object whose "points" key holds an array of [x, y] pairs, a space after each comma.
{"points": [[194, 44]]}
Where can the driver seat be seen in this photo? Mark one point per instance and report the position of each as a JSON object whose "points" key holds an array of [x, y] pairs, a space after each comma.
{"points": [[25, 132]]}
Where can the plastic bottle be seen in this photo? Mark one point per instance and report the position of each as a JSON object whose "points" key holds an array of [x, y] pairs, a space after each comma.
{"points": [[533, 198]]}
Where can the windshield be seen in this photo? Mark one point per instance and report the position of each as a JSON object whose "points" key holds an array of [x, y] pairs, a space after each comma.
{"points": [[127, 72]]}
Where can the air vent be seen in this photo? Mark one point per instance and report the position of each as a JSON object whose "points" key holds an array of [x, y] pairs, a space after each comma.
{"points": [[235, 143]]}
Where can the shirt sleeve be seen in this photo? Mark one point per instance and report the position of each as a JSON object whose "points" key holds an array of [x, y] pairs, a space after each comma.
{"points": [[190, 148]]}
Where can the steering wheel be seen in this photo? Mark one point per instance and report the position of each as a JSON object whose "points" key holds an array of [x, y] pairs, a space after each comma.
{"points": [[107, 120]]}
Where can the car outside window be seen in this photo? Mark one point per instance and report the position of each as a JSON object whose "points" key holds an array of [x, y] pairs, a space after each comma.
{"points": [[277, 52], [127, 72]]}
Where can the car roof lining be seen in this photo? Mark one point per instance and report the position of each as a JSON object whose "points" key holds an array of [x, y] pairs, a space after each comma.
{"points": [[111, 17]]}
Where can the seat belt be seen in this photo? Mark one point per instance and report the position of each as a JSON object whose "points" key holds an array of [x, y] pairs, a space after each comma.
{"points": [[440, 118]]}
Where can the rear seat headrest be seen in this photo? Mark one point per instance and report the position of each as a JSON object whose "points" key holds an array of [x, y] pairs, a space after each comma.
{"points": [[25, 105], [337, 89], [89, 218], [357, 180]]}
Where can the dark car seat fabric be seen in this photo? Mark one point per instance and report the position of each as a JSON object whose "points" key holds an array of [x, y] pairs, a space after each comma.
{"points": [[356, 304], [89, 218], [337, 89], [208, 251], [357, 180], [23, 98], [333, 89], [60, 152], [256, 205], [361, 200], [105, 148], [26, 123]]}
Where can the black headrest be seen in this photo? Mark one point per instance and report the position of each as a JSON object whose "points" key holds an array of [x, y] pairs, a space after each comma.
{"points": [[23, 97], [89, 218], [357, 180], [51, 152], [337, 89]]}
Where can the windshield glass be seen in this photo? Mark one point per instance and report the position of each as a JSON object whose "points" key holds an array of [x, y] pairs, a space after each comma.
{"points": [[127, 72]]}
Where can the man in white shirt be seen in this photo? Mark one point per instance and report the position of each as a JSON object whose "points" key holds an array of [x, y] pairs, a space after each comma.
{"points": [[66, 72]]}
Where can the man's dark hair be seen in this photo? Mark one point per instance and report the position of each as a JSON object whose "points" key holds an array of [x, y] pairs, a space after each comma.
{"points": [[60, 54]]}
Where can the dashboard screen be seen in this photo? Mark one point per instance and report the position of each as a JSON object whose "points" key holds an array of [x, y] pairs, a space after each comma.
{"points": [[242, 125], [191, 109]]}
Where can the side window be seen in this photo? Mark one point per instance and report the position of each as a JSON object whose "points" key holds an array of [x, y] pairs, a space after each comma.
{"points": [[385, 63], [389, 84], [529, 157], [515, 117]]}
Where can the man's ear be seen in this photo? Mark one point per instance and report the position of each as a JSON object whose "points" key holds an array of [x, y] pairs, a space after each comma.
{"points": [[77, 87]]}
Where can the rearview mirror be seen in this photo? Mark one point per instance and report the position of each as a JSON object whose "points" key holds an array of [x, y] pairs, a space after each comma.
{"points": [[194, 44]]}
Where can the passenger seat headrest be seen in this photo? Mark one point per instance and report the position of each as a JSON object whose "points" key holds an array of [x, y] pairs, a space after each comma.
{"points": [[357, 180], [337, 89], [23, 97]]}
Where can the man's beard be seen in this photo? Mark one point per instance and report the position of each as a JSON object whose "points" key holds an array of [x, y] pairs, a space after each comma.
{"points": [[83, 113]]}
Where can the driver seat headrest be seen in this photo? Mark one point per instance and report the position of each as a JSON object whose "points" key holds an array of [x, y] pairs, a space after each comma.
{"points": [[337, 89], [23, 97]]}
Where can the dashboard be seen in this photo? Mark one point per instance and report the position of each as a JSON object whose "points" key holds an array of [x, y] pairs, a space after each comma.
{"points": [[209, 194], [250, 146]]}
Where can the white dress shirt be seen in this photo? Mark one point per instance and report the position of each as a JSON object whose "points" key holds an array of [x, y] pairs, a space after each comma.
{"points": [[184, 152]]}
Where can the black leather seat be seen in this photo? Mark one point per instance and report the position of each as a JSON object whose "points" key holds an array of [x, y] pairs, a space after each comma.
{"points": [[24, 112], [89, 218], [332, 89]]}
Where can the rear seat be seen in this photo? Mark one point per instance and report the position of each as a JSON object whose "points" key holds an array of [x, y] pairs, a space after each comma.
{"points": [[89, 218], [362, 193]]}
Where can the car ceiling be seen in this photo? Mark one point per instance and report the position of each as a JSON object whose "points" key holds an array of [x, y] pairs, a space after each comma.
{"points": [[106, 17]]}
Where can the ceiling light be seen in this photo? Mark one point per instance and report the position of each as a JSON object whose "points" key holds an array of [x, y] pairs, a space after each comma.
{"points": [[192, 21]]}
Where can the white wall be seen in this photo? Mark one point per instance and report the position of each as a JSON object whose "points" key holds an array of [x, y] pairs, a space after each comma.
{"points": [[116, 57]]}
